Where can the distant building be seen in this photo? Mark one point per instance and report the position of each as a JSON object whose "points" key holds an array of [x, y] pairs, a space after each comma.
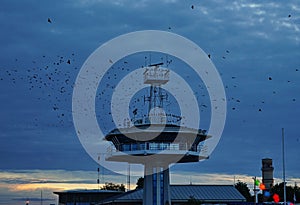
{"points": [[180, 194], [267, 173], [84, 197]]}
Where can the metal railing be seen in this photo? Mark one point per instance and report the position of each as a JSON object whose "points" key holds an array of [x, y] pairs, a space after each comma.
{"points": [[152, 146]]}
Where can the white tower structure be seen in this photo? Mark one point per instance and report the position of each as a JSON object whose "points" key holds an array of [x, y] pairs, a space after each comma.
{"points": [[156, 141]]}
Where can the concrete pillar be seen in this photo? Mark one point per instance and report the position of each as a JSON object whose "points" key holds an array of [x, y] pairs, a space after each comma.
{"points": [[156, 185], [167, 192], [148, 187], [157, 173]]}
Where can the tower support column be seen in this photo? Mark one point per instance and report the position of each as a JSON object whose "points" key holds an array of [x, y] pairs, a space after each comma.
{"points": [[156, 185], [148, 188], [167, 191]]}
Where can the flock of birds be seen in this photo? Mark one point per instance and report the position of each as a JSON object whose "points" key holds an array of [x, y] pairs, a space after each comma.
{"points": [[55, 78], [47, 79], [54, 84]]}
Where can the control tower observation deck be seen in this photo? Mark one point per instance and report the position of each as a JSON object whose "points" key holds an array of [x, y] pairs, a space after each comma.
{"points": [[156, 141]]}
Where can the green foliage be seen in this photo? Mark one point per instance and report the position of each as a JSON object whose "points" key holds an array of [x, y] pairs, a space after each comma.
{"points": [[244, 190], [140, 183], [279, 189], [193, 201], [112, 186]]}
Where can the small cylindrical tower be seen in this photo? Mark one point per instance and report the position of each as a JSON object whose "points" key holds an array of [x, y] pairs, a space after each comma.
{"points": [[267, 173]]}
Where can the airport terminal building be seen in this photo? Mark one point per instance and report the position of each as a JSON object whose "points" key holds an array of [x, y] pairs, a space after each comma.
{"points": [[180, 194]]}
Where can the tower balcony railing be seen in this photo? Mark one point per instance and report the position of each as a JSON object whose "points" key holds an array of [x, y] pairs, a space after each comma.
{"points": [[156, 75], [169, 119], [152, 146]]}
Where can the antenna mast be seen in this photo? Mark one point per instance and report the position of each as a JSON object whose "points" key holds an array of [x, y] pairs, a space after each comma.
{"points": [[128, 178], [98, 169], [283, 169]]}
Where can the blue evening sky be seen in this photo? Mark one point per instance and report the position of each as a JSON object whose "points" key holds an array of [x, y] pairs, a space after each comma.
{"points": [[255, 46]]}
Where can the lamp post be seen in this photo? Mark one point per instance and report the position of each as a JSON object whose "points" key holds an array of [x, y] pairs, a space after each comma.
{"points": [[283, 169], [255, 190]]}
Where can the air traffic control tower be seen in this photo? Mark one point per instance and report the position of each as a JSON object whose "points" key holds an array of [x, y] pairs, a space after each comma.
{"points": [[156, 140]]}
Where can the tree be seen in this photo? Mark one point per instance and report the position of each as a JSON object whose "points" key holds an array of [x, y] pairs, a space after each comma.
{"points": [[112, 186], [244, 190], [193, 201], [140, 183], [279, 189]]}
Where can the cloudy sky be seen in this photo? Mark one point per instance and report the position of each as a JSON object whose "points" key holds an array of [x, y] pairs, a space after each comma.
{"points": [[255, 46]]}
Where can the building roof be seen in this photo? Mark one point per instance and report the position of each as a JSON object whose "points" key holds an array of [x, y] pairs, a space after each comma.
{"points": [[180, 193], [86, 191], [206, 192]]}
